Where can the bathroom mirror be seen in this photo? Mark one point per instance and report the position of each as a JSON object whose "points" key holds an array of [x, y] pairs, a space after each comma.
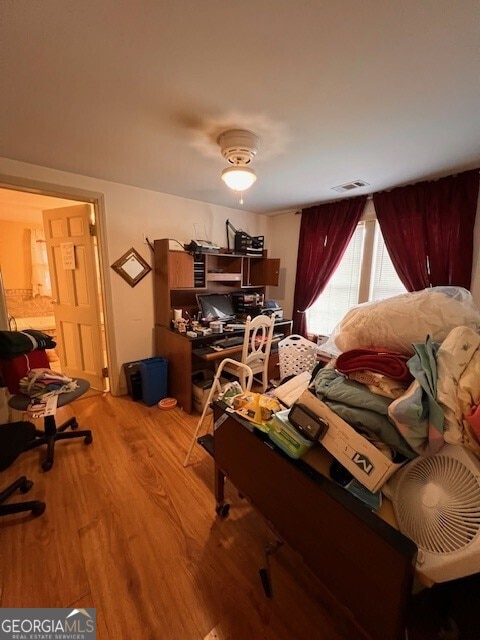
{"points": [[132, 267]]}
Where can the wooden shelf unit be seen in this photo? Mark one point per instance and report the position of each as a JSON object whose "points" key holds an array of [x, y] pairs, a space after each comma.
{"points": [[179, 276]]}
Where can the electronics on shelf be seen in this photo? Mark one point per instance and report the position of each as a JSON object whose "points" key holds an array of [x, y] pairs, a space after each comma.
{"points": [[245, 243], [248, 303], [216, 306], [202, 246]]}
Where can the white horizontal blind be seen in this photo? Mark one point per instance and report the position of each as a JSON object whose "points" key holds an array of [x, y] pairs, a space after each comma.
{"points": [[341, 293], [384, 281]]}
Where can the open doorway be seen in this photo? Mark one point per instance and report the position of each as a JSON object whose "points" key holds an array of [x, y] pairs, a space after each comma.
{"points": [[26, 276]]}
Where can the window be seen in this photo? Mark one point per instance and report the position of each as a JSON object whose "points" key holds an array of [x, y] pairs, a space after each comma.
{"points": [[365, 273]]}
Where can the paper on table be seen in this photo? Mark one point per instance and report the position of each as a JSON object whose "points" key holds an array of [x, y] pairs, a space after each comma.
{"points": [[290, 391], [41, 407]]}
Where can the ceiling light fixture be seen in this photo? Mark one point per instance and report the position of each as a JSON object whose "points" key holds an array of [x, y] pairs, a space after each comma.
{"points": [[239, 147]]}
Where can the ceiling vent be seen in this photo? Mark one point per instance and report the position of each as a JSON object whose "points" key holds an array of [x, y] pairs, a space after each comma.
{"points": [[349, 186]]}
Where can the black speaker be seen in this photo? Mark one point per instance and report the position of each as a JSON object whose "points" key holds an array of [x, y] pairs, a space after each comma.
{"points": [[134, 380]]}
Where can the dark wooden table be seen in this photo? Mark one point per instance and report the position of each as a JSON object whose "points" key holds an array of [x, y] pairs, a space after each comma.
{"points": [[364, 561]]}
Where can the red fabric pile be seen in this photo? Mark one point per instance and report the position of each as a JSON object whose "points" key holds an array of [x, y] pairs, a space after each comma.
{"points": [[391, 364]]}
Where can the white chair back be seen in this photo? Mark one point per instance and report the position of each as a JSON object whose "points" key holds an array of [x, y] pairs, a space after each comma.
{"points": [[257, 345], [258, 339]]}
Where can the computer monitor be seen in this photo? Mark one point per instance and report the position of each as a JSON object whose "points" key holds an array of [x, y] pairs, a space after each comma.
{"points": [[216, 306]]}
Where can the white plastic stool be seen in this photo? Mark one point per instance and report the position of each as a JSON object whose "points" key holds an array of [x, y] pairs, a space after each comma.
{"points": [[216, 388]]}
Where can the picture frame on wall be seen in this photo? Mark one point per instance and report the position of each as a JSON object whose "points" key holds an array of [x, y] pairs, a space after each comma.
{"points": [[131, 267]]}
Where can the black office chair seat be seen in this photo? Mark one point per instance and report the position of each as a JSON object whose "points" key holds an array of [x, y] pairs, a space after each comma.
{"points": [[51, 432], [14, 438]]}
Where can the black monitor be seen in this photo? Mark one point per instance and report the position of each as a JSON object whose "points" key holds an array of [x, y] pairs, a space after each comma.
{"points": [[216, 306]]}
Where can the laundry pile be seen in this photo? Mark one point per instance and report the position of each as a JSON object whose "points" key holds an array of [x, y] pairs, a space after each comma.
{"points": [[421, 389], [42, 383], [364, 405]]}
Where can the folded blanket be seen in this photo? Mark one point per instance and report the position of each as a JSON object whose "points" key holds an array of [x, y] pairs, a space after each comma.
{"points": [[417, 414], [18, 343], [365, 411], [379, 383], [41, 383], [391, 364]]}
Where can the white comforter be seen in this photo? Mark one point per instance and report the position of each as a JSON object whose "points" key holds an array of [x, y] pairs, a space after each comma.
{"points": [[396, 323], [458, 384]]}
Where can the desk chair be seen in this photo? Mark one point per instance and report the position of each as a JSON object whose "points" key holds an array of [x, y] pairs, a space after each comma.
{"points": [[14, 438], [257, 344], [13, 370]]}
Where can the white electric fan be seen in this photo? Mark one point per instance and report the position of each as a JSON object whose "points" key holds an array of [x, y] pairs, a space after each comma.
{"points": [[437, 504]]}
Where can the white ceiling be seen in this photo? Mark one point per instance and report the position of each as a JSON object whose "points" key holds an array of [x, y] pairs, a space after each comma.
{"points": [[137, 92]]}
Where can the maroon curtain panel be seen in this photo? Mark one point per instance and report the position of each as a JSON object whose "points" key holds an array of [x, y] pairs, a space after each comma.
{"points": [[325, 232], [428, 230]]}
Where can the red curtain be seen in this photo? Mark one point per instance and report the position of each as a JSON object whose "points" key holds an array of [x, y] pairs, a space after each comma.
{"points": [[428, 230], [325, 232]]}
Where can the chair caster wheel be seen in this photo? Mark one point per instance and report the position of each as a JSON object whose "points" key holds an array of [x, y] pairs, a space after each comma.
{"points": [[47, 465], [73, 425], [26, 486], [223, 510], [88, 439], [38, 508]]}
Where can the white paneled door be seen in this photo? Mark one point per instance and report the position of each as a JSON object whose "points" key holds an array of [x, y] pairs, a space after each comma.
{"points": [[75, 289]]}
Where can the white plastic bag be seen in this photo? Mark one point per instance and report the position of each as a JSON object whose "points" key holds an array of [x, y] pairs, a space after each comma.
{"points": [[395, 323]]}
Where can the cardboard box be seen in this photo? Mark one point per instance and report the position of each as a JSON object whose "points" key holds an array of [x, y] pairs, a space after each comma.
{"points": [[364, 461], [201, 385]]}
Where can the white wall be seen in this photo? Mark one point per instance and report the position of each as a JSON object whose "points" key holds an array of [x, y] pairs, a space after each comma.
{"points": [[283, 233], [131, 214]]}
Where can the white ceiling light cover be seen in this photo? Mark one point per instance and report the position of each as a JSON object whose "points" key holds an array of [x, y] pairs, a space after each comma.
{"points": [[239, 178]]}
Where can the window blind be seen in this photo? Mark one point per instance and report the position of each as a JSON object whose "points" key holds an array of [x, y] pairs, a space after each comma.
{"points": [[384, 281], [342, 292]]}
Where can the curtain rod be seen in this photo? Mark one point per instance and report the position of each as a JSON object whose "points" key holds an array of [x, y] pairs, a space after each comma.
{"points": [[369, 197]]}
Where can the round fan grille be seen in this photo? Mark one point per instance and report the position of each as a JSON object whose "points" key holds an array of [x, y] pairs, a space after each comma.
{"points": [[437, 502]]}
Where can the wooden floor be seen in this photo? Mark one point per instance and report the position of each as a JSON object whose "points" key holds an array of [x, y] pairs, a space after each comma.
{"points": [[131, 532], [128, 530]]}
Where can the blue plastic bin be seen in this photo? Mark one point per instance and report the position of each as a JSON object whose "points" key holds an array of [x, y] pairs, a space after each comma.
{"points": [[154, 375]]}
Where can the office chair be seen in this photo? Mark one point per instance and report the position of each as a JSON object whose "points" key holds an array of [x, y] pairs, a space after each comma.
{"points": [[14, 438], [13, 370], [257, 344]]}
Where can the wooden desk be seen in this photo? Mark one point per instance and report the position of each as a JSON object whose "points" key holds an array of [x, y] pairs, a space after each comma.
{"points": [[186, 355], [211, 355], [364, 562]]}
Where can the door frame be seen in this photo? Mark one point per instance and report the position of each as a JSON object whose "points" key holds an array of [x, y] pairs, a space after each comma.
{"points": [[96, 199]]}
